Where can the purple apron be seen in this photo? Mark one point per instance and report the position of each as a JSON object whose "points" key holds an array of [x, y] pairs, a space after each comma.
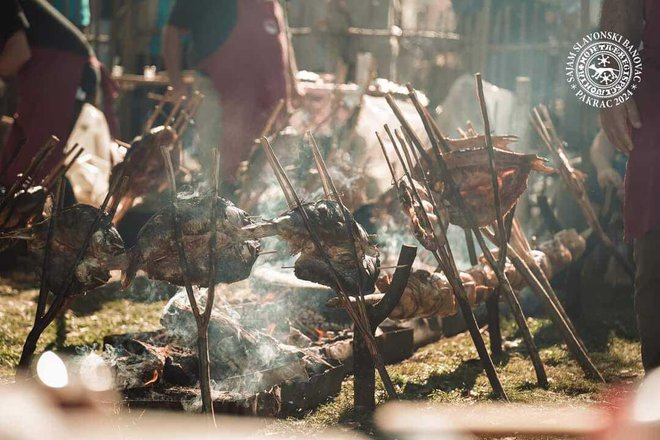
{"points": [[250, 73], [642, 199]]}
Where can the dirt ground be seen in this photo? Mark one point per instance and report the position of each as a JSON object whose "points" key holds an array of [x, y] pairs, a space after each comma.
{"points": [[445, 371]]}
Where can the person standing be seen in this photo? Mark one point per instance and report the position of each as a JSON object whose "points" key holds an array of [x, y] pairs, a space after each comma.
{"points": [[634, 128], [241, 58], [76, 11], [57, 73]]}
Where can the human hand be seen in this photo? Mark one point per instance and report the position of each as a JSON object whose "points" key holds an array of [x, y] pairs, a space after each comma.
{"points": [[618, 121], [609, 177]]}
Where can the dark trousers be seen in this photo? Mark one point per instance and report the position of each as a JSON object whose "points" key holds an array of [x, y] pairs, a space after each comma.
{"points": [[647, 297]]}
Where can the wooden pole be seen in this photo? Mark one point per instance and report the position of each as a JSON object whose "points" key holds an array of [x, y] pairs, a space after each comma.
{"points": [[202, 337], [363, 364], [361, 324], [445, 175], [445, 260], [492, 303], [575, 346]]}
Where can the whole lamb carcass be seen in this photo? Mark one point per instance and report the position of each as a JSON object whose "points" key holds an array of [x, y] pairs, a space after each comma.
{"points": [[156, 251], [104, 253], [338, 233], [470, 170], [144, 165]]}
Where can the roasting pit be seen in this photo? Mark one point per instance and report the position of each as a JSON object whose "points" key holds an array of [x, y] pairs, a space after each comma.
{"points": [[158, 369]]}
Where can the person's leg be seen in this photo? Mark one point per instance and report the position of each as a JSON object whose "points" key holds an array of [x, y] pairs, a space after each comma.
{"points": [[647, 297], [207, 122], [240, 128]]}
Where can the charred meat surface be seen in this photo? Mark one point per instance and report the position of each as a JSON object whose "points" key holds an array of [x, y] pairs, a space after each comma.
{"points": [[470, 171], [429, 293], [105, 251], [156, 250], [417, 214], [144, 162], [25, 206], [337, 238], [466, 143]]}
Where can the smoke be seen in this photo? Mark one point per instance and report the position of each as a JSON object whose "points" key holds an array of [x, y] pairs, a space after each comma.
{"points": [[392, 234], [239, 355]]}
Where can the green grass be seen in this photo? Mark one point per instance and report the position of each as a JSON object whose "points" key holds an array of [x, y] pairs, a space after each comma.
{"points": [[86, 326], [446, 371], [449, 371]]}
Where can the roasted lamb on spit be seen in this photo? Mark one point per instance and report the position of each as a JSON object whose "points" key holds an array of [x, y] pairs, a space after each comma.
{"points": [[143, 162], [23, 203], [429, 294], [348, 260], [156, 250], [471, 173], [332, 225], [104, 253]]}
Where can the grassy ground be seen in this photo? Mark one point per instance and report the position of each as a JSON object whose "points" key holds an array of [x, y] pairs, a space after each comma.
{"points": [[446, 371], [90, 320], [449, 371]]}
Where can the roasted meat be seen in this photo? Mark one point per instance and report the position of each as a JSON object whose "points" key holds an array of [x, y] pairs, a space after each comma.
{"points": [[156, 250], [478, 141], [144, 165], [338, 233], [415, 212], [105, 251], [429, 294], [24, 207], [470, 171]]}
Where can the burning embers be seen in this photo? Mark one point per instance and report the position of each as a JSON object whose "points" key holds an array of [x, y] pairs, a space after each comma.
{"points": [[160, 367], [156, 249], [234, 350]]}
